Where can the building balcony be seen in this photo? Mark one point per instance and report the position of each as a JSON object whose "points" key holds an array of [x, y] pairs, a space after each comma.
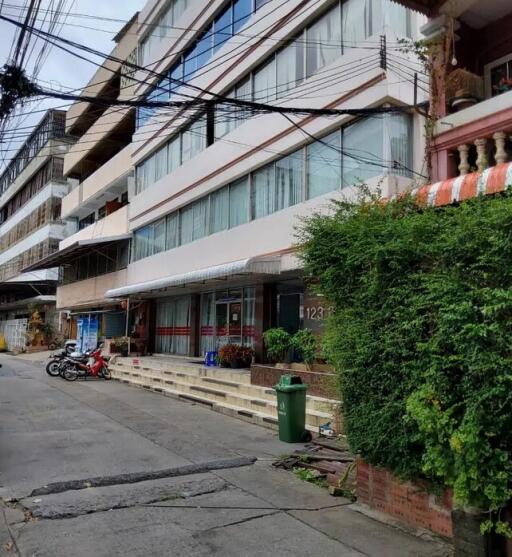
{"points": [[89, 292], [473, 139], [108, 182], [111, 133], [114, 224]]}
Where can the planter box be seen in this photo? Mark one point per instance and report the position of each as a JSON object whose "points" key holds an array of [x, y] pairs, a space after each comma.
{"points": [[408, 502], [320, 383]]}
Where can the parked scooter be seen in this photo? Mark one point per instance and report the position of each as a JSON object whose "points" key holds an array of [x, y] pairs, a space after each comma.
{"points": [[95, 366], [53, 367]]}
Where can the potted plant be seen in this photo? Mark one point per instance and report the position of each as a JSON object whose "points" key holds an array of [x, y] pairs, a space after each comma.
{"points": [[305, 345], [277, 344], [235, 356], [119, 345]]}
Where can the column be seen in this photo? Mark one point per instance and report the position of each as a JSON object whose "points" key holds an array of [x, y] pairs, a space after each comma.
{"points": [[501, 154], [463, 157], [481, 149], [265, 316]]}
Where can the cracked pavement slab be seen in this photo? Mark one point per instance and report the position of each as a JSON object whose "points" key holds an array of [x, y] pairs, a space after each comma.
{"points": [[162, 489], [70, 504]]}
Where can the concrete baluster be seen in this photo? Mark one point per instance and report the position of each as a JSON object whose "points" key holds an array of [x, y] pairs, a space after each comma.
{"points": [[481, 150], [500, 155], [463, 156]]}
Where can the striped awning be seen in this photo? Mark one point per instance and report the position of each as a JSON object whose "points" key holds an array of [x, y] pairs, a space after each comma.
{"points": [[492, 180]]}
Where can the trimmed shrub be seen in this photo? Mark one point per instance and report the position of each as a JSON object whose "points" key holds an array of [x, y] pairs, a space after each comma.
{"points": [[421, 336], [277, 344], [305, 345], [235, 356]]}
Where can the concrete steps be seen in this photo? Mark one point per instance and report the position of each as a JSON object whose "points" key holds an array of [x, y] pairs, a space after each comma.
{"points": [[223, 390]]}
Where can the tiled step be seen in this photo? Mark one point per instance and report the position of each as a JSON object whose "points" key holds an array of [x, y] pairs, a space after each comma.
{"points": [[220, 383], [268, 407]]}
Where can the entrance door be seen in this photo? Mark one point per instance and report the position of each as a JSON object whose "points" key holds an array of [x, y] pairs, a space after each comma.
{"points": [[235, 322]]}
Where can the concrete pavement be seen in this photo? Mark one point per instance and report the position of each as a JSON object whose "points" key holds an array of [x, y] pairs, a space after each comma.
{"points": [[167, 477]]}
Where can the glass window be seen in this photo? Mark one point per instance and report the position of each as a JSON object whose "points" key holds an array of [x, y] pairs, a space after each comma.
{"points": [[290, 67], [239, 202], [242, 10], [190, 62], [397, 18], [173, 154], [172, 234], [142, 242], [187, 224], [264, 190], [355, 21], [159, 236], [178, 9], [260, 3], [289, 180], [200, 218], [264, 82], [324, 40], [222, 28], [175, 77], [204, 48], [160, 163], [324, 165], [225, 120], [193, 140], [399, 132], [219, 210], [362, 150]]}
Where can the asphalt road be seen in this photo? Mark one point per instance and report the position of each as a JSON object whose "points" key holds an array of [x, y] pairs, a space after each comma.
{"points": [[102, 469]]}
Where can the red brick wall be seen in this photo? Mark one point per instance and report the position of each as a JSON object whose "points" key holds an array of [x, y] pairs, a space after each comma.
{"points": [[406, 501]]}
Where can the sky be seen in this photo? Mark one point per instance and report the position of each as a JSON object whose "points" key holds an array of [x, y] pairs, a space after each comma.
{"points": [[62, 69]]}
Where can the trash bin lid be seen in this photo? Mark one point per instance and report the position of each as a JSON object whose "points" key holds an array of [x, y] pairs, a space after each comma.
{"points": [[288, 382]]}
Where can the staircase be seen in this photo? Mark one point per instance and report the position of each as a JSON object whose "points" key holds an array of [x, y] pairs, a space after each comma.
{"points": [[228, 391]]}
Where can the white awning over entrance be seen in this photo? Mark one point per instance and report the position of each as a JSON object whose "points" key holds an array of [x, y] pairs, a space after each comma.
{"points": [[270, 265]]}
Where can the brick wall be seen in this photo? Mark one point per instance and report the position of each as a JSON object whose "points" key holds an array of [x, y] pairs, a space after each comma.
{"points": [[406, 501]]}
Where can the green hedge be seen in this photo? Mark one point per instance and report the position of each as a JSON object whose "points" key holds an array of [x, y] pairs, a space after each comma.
{"points": [[421, 335]]}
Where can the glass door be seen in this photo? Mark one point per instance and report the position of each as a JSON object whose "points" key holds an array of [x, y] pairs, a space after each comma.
{"points": [[235, 322], [221, 321]]}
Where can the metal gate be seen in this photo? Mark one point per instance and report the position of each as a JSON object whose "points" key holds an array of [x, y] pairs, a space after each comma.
{"points": [[14, 332]]}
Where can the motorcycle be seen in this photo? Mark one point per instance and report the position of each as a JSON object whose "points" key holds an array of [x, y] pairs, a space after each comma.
{"points": [[53, 367], [96, 365]]}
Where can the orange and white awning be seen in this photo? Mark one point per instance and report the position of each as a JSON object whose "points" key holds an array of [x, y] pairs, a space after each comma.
{"points": [[492, 180]]}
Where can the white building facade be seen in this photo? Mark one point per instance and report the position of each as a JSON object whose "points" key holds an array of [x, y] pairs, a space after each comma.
{"points": [[32, 187], [219, 193]]}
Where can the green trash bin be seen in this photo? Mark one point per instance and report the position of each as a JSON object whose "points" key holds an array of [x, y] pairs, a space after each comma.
{"points": [[291, 409]]}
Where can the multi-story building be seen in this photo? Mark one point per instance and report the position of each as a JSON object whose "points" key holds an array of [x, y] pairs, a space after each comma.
{"points": [[219, 191], [99, 167], [31, 190]]}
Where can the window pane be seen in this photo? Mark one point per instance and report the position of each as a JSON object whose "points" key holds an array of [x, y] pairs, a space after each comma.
{"points": [[263, 183], [363, 151], [160, 163], [200, 209], [193, 140], [324, 165], [141, 242], [399, 129], [289, 180], [355, 26], [219, 210], [222, 28], [176, 76], [264, 83], [179, 7], [204, 48], [290, 67], [190, 62], [172, 236], [239, 202], [261, 3], [173, 154], [187, 224], [324, 41], [225, 119], [159, 236], [397, 18], [242, 10]]}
